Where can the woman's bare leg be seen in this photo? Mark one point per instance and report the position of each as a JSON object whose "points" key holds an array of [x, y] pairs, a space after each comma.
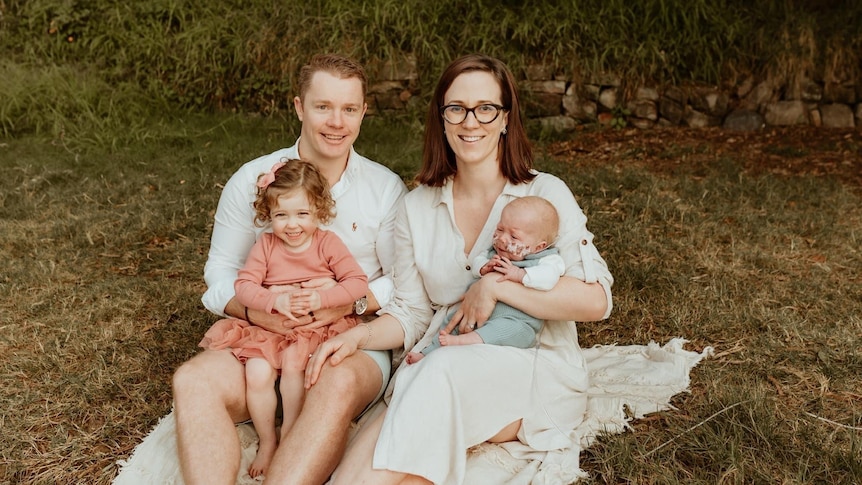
{"points": [[355, 468], [509, 433]]}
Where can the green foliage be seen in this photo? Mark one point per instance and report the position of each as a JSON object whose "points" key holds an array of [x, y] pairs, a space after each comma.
{"points": [[620, 117], [69, 103], [245, 56]]}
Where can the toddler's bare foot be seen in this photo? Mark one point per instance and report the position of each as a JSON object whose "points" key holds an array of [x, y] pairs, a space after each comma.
{"points": [[414, 357], [265, 452], [471, 338]]}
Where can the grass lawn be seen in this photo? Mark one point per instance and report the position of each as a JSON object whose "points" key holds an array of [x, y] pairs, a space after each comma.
{"points": [[747, 243]]}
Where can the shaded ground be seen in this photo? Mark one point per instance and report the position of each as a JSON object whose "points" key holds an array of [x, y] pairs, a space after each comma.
{"points": [[778, 151]]}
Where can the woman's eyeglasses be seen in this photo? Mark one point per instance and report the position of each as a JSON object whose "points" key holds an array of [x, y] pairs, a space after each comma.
{"points": [[485, 113]]}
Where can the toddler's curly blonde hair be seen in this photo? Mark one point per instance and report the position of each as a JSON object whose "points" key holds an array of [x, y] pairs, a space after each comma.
{"points": [[295, 174]]}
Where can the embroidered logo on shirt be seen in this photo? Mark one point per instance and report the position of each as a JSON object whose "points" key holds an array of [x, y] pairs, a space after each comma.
{"points": [[354, 227]]}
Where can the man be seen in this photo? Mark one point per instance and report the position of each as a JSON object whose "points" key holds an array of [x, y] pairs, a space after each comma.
{"points": [[209, 389]]}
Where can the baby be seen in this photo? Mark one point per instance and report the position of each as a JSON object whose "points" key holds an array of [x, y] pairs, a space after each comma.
{"points": [[521, 252]]}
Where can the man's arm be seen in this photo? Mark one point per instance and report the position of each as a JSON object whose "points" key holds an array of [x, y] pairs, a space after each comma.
{"points": [[273, 322], [381, 290], [232, 238]]}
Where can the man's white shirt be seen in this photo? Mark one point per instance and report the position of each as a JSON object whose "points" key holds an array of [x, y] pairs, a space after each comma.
{"points": [[366, 200]]}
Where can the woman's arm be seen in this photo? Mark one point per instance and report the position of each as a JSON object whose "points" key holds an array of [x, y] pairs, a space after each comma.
{"points": [[571, 299]]}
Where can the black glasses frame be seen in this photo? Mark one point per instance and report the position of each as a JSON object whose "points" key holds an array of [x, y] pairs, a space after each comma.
{"points": [[500, 109]]}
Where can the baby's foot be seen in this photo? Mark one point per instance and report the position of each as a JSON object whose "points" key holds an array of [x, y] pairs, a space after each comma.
{"points": [[414, 357], [265, 452], [463, 339]]}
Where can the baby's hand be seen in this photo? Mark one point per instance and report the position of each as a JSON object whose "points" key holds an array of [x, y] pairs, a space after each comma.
{"points": [[490, 265], [509, 271]]}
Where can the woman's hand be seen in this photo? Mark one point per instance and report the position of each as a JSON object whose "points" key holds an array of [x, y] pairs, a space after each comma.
{"points": [[479, 301], [336, 350]]}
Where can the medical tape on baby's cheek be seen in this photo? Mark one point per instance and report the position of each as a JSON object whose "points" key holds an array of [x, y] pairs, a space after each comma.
{"points": [[513, 248], [517, 250]]}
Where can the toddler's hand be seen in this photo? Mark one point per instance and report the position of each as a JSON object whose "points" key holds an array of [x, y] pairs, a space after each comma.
{"points": [[283, 305], [304, 302]]}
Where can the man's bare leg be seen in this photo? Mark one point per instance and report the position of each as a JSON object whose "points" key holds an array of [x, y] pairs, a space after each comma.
{"points": [[312, 449], [209, 398]]}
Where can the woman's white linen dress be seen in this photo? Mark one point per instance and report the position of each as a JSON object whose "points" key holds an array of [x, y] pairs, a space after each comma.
{"points": [[458, 397]]}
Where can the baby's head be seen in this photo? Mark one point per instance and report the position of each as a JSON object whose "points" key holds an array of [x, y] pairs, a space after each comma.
{"points": [[285, 178], [527, 225]]}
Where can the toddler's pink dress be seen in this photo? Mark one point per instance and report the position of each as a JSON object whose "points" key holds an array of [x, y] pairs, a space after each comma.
{"points": [[268, 264]]}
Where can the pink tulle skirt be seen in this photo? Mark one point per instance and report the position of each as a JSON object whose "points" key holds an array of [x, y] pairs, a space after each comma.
{"points": [[249, 341]]}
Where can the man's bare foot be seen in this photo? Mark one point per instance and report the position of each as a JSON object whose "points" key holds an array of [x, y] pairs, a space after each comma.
{"points": [[414, 357], [265, 452], [471, 338]]}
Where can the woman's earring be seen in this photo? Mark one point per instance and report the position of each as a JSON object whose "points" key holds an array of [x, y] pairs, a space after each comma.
{"points": [[504, 131]]}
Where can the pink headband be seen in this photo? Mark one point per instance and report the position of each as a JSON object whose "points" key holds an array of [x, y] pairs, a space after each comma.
{"points": [[264, 180]]}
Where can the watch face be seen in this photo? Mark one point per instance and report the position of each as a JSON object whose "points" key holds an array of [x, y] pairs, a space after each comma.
{"points": [[360, 306]]}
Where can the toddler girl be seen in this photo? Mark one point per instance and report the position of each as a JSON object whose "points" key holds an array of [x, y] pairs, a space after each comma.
{"points": [[295, 199]]}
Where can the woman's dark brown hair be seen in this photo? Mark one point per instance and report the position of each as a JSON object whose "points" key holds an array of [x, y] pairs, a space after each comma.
{"points": [[515, 154]]}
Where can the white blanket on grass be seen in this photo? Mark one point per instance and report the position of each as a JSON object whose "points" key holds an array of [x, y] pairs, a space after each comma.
{"points": [[626, 382]]}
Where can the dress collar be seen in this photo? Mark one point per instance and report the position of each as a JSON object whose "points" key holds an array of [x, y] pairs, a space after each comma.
{"points": [[512, 191]]}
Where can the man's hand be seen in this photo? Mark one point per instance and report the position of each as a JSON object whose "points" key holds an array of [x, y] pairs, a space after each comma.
{"points": [[284, 288], [319, 284], [276, 322]]}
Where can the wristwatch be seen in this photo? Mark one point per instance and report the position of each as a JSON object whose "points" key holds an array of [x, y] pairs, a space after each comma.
{"points": [[360, 305]]}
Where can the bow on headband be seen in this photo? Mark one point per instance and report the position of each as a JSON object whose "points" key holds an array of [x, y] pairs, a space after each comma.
{"points": [[264, 180]]}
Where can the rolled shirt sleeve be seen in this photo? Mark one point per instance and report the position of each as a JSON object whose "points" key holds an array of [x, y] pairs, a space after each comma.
{"points": [[410, 305]]}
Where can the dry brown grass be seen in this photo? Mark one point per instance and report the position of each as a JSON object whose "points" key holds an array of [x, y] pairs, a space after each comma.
{"points": [[749, 243], [734, 244]]}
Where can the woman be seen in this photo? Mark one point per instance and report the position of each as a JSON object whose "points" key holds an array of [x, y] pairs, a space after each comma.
{"points": [[476, 159]]}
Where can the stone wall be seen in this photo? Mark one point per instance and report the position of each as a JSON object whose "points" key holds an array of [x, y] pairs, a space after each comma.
{"points": [[559, 104]]}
